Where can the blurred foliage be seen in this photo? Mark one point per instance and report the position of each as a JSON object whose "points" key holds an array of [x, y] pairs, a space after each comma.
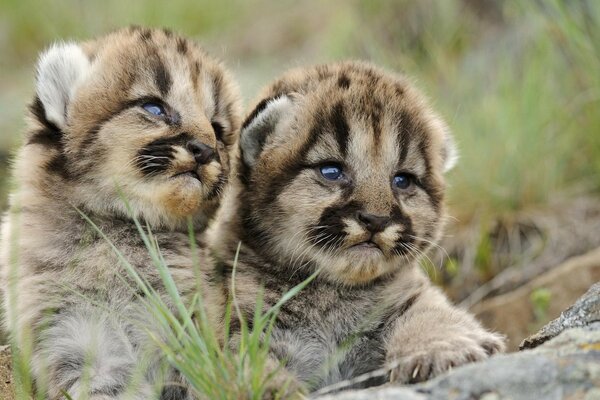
{"points": [[518, 82], [540, 301]]}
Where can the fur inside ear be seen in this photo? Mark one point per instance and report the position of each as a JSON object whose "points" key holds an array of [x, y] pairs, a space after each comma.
{"points": [[261, 122], [450, 152], [59, 70]]}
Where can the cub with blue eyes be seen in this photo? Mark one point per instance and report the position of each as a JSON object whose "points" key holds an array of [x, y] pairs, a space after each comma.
{"points": [[342, 172], [139, 115]]}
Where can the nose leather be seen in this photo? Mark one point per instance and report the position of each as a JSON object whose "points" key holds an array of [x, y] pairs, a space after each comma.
{"points": [[203, 154], [374, 223]]}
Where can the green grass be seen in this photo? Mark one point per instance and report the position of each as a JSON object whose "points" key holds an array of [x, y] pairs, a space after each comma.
{"points": [[187, 339], [519, 86]]}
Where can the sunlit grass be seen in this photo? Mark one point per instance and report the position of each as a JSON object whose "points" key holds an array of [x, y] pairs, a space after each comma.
{"points": [[189, 339], [521, 95], [520, 89]]}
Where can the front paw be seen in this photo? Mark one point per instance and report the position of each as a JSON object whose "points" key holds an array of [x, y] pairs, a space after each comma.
{"points": [[440, 355]]}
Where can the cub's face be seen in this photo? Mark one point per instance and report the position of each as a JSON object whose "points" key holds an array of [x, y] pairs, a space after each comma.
{"points": [[141, 114], [343, 170]]}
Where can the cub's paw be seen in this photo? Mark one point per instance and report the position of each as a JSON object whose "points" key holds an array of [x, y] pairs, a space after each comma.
{"points": [[437, 356]]}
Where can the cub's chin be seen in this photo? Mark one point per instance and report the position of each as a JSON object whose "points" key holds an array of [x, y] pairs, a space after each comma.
{"points": [[188, 192], [359, 264], [191, 192]]}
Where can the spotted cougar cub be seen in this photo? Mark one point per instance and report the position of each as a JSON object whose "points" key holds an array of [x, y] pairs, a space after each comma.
{"points": [[141, 114], [341, 171]]}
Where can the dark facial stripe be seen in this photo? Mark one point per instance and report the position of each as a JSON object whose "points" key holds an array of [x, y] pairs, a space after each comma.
{"points": [[182, 46], [294, 166], [253, 235], [156, 157], [343, 81], [377, 109], [217, 84], [338, 122], [323, 72], [405, 127], [195, 71], [91, 136], [58, 166], [145, 34], [126, 83], [407, 232], [173, 118], [434, 191], [330, 228], [180, 140], [162, 77], [217, 189], [399, 217], [409, 128]]}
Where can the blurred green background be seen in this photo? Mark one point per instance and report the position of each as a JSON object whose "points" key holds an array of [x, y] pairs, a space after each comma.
{"points": [[518, 82]]}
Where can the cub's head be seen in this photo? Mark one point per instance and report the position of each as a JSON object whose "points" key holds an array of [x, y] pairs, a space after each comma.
{"points": [[341, 169], [141, 114]]}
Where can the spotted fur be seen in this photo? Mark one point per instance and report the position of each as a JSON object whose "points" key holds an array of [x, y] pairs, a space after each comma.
{"points": [[91, 142], [370, 307]]}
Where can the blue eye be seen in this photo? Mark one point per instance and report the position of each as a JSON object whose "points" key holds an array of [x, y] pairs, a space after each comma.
{"points": [[154, 109], [331, 172], [403, 181]]}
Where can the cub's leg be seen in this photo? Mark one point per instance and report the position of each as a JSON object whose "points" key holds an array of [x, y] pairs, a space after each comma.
{"points": [[88, 353], [432, 336]]}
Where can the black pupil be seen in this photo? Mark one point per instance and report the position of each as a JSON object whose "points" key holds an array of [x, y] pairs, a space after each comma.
{"points": [[402, 181]]}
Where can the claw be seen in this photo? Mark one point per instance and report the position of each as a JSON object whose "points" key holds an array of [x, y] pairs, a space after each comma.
{"points": [[416, 371]]}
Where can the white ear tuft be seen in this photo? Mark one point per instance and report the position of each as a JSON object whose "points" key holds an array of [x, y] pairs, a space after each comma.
{"points": [[59, 70], [261, 122], [450, 152]]}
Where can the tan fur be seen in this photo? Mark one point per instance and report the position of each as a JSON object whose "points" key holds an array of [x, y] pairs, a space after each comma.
{"points": [[63, 286], [370, 306]]}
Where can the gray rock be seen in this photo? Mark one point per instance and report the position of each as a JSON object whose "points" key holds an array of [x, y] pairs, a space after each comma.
{"points": [[585, 311], [565, 364]]}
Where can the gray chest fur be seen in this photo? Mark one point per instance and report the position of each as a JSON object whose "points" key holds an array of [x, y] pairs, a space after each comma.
{"points": [[327, 335]]}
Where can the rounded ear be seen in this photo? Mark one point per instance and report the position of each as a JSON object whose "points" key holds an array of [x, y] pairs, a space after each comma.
{"points": [[261, 122], [450, 152], [59, 70]]}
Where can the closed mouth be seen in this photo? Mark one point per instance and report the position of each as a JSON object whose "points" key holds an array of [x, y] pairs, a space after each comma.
{"points": [[191, 173], [366, 245]]}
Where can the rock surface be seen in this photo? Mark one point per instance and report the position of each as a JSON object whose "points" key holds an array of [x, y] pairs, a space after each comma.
{"points": [[562, 362], [514, 314], [6, 388], [584, 312]]}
